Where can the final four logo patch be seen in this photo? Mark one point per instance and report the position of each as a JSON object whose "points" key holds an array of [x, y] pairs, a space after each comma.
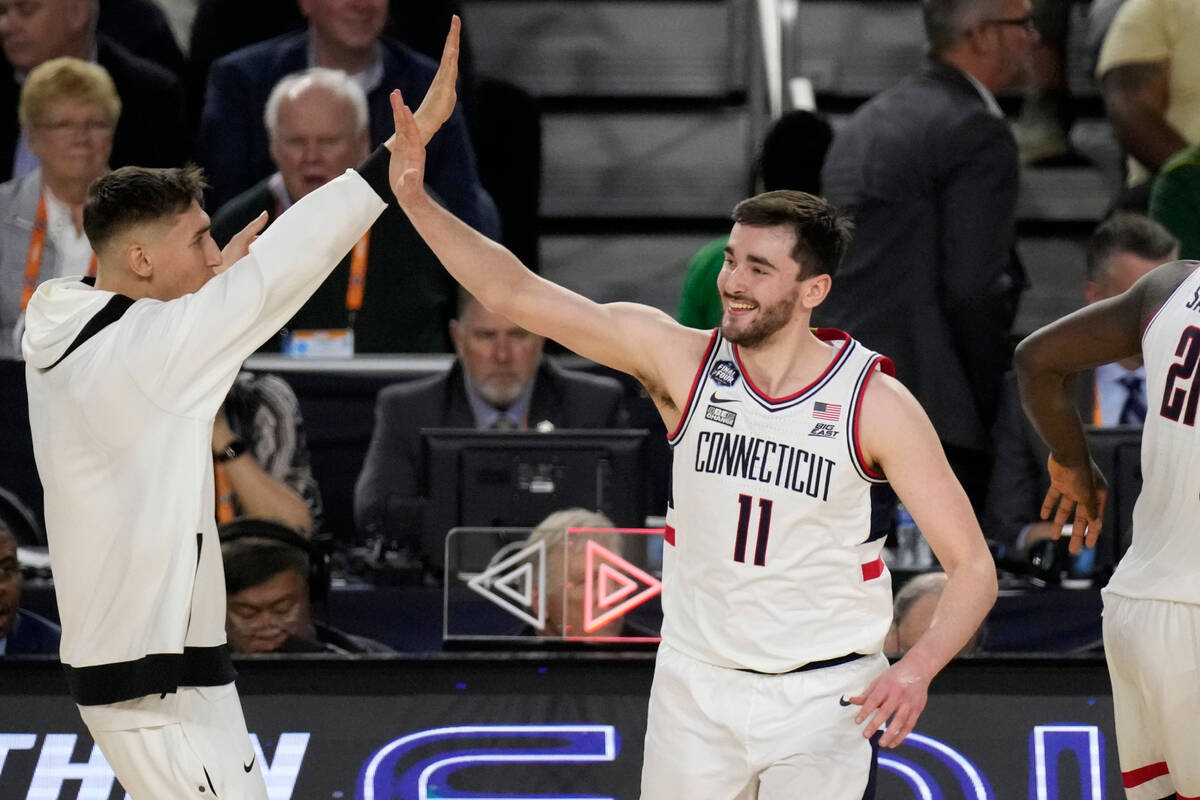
{"points": [[725, 373]]}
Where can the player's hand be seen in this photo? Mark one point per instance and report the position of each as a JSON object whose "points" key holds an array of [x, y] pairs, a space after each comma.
{"points": [[1080, 489], [896, 699], [406, 170], [439, 101], [239, 245]]}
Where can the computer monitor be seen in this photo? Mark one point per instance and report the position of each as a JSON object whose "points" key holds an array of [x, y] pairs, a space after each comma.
{"points": [[1117, 451], [517, 478]]}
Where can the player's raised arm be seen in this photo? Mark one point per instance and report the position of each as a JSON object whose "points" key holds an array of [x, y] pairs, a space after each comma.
{"points": [[899, 438], [636, 339], [1096, 334]]}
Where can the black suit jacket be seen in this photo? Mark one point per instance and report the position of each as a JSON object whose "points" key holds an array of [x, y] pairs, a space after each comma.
{"points": [[931, 279], [1019, 477], [408, 299], [392, 471], [153, 129], [33, 634]]}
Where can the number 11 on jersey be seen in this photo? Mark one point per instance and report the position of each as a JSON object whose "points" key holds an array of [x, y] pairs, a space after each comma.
{"points": [[745, 503]]}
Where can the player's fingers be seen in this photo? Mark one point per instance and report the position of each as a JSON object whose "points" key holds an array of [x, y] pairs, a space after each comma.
{"points": [[1066, 506], [448, 68], [1051, 502], [402, 118], [1077, 533]]}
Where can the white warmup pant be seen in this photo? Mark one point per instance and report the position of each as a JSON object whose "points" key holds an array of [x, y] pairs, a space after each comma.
{"points": [[205, 754], [724, 734]]}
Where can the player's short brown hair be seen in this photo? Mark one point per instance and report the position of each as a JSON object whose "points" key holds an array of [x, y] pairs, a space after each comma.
{"points": [[134, 195], [822, 233]]}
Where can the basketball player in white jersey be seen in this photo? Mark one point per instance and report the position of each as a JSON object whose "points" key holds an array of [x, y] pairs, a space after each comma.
{"points": [[1152, 602], [769, 680]]}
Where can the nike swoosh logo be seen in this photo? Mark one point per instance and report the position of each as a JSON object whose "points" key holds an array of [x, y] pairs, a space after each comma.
{"points": [[842, 701], [715, 399], [249, 766]]}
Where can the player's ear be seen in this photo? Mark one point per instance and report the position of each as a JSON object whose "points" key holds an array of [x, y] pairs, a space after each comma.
{"points": [[815, 289], [138, 260]]}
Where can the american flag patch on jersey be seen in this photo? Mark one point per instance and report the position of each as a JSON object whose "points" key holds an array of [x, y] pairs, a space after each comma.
{"points": [[829, 411]]}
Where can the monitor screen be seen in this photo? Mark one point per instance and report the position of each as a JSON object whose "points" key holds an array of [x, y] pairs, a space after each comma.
{"points": [[517, 478], [1117, 451]]}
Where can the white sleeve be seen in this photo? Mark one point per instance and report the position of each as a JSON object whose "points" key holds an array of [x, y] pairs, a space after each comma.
{"points": [[185, 353]]}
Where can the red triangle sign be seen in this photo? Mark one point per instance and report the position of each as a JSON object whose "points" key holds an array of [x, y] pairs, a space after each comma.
{"points": [[613, 586]]}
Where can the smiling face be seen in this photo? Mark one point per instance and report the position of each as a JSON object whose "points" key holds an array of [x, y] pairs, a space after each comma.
{"points": [[758, 283]]}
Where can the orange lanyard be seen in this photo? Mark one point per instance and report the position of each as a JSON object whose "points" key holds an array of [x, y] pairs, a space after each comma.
{"points": [[1097, 417], [358, 275], [37, 246], [224, 494]]}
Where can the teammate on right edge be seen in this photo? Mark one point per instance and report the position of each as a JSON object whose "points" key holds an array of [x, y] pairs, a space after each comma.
{"points": [[1152, 602], [769, 681]]}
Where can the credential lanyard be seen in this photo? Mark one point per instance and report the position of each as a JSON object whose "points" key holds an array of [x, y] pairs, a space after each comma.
{"points": [[37, 247]]}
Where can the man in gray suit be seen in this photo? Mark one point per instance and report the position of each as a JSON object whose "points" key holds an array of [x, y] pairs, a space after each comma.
{"points": [[928, 170], [499, 381]]}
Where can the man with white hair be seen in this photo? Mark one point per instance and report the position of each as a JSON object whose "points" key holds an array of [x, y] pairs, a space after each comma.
{"points": [[389, 294]]}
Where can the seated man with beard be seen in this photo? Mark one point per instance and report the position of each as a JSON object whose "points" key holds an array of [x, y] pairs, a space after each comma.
{"points": [[499, 381]]}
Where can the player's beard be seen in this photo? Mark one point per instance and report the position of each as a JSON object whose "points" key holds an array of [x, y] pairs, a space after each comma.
{"points": [[769, 320]]}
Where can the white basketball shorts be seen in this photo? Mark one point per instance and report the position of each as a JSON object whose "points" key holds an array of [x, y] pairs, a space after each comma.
{"points": [[1153, 653], [725, 734]]}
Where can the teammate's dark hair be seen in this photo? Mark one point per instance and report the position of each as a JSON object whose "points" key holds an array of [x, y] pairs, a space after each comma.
{"points": [[251, 562], [133, 195], [822, 234], [1126, 232]]}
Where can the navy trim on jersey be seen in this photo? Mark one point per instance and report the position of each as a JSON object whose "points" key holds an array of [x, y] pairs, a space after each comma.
{"points": [[811, 665], [852, 443], [833, 368], [116, 306], [693, 400], [158, 673]]}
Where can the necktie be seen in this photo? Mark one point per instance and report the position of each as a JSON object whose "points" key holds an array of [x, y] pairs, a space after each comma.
{"points": [[1133, 410], [503, 423]]}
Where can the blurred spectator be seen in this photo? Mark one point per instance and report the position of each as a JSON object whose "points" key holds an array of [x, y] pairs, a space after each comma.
{"points": [[1175, 199], [912, 613], [21, 631], [68, 112], [401, 299], [499, 381], [1121, 250], [261, 456], [928, 171], [566, 571], [1149, 72], [152, 130], [792, 154], [270, 584], [141, 27], [233, 144], [1043, 128]]}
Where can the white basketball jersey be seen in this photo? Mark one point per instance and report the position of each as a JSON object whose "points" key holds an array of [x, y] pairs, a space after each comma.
{"points": [[769, 562], [1163, 562]]}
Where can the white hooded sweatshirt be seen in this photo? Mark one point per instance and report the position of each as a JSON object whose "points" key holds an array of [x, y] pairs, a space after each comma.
{"points": [[122, 397]]}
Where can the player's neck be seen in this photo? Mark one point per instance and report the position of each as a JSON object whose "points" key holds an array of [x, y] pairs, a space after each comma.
{"points": [[786, 362]]}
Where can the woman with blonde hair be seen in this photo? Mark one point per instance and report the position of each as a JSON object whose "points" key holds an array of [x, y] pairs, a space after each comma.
{"points": [[68, 112]]}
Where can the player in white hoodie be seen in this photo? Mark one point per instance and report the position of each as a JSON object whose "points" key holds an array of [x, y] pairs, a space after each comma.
{"points": [[125, 377]]}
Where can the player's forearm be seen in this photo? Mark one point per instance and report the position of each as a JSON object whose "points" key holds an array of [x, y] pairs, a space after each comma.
{"points": [[487, 270], [263, 497], [968, 597], [1046, 398]]}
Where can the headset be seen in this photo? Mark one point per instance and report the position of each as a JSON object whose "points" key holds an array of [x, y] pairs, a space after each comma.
{"points": [[317, 556]]}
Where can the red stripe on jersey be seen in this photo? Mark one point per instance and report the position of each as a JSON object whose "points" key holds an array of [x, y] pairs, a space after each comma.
{"points": [[885, 365], [1136, 777], [687, 407], [872, 570], [669, 535], [1181, 797]]}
